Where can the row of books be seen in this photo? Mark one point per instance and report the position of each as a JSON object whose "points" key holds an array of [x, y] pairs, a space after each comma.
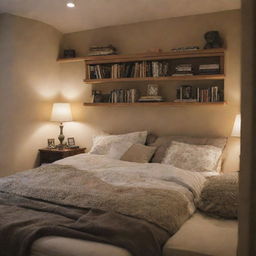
{"points": [[123, 95], [125, 70], [190, 94], [148, 69]]}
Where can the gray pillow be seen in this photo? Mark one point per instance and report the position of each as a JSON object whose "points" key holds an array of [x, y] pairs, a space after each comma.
{"points": [[219, 196], [164, 142]]}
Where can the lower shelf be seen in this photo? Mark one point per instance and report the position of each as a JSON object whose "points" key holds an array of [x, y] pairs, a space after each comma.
{"points": [[103, 104]]}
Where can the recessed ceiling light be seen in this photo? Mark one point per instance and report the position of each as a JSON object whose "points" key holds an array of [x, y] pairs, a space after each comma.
{"points": [[71, 4]]}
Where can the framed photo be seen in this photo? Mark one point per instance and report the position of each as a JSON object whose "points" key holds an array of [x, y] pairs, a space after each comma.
{"points": [[71, 142], [51, 143]]}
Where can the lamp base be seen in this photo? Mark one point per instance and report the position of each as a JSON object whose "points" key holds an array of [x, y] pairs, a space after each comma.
{"points": [[61, 146], [61, 137]]}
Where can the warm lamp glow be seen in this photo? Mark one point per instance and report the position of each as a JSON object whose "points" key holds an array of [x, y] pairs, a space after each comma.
{"points": [[70, 4], [237, 127], [61, 112]]}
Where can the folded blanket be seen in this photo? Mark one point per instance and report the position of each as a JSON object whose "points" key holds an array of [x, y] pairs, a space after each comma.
{"points": [[102, 201]]}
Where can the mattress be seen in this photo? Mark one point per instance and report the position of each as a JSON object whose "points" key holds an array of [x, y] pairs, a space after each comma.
{"points": [[199, 236], [204, 236], [61, 246]]}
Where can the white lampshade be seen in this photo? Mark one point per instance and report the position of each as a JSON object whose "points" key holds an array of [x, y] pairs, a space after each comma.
{"points": [[237, 127], [61, 112]]}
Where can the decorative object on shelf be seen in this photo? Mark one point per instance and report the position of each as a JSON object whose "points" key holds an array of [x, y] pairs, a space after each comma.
{"points": [[236, 131], [152, 94], [70, 53], [152, 90], [184, 49], [61, 112], [189, 94], [51, 143], [213, 40], [102, 50], [183, 70]]}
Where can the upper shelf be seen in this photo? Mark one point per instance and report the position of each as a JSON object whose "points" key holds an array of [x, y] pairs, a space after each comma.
{"points": [[145, 56], [163, 78]]}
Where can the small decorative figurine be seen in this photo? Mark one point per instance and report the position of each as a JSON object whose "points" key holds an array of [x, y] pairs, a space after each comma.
{"points": [[69, 53], [213, 40]]}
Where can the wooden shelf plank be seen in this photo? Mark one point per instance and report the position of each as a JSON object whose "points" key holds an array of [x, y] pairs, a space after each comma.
{"points": [[145, 56], [166, 78], [155, 104]]}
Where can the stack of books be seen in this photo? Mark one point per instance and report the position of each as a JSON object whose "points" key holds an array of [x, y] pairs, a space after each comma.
{"points": [[123, 96], [183, 70], [102, 50], [211, 94], [151, 99], [209, 69]]}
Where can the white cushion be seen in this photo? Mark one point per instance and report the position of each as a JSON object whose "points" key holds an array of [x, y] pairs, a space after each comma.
{"points": [[193, 157], [102, 144]]}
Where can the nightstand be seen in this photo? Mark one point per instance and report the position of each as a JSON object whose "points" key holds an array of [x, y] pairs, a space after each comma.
{"points": [[48, 155]]}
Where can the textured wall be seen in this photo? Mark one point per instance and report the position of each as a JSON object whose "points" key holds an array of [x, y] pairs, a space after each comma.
{"points": [[136, 38], [29, 83]]}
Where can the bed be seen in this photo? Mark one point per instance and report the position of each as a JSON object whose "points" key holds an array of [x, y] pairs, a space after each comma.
{"points": [[92, 204]]}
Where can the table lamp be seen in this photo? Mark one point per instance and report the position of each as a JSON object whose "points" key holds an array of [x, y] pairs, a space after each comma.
{"points": [[61, 112], [237, 127]]}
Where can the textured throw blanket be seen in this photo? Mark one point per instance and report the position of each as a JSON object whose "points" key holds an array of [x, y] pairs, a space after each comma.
{"points": [[134, 206]]}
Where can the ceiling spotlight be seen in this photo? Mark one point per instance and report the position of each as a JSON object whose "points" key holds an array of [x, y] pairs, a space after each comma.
{"points": [[70, 4]]}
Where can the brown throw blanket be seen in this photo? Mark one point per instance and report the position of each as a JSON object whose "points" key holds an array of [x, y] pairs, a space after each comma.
{"points": [[64, 201], [24, 220]]}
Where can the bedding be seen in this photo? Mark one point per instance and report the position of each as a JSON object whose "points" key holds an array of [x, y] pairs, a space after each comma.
{"points": [[219, 196], [102, 144], [193, 157], [139, 153], [92, 197]]}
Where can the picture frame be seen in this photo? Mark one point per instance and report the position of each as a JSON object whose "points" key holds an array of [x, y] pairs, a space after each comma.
{"points": [[51, 143], [71, 142]]}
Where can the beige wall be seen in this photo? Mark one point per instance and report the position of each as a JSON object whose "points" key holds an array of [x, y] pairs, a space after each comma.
{"points": [[135, 38], [29, 82]]}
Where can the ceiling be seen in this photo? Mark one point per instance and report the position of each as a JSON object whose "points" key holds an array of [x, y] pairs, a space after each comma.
{"points": [[90, 14]]}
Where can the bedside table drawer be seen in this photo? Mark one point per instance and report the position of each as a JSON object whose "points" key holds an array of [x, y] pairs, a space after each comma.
{"points": [[52, 155], [49, 157]]}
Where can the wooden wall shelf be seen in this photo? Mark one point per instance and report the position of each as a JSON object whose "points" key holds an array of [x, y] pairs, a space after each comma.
{"points": [[165, 78], [147, 67], [144, 56], [141, 104]]}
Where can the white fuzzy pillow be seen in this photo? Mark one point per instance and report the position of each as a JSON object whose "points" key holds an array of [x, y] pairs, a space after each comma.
{"points": [[118, 149], [192, 157], [102, 144]]}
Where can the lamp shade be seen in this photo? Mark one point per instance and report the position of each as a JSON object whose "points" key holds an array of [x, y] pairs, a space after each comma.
{"points": [[61, 112], [236, 127]]}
